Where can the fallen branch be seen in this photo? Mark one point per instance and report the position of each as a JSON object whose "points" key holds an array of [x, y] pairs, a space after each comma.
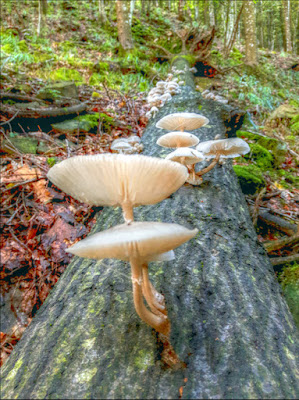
{"points": [[257, 205], [46, 112], [278, 223], [280, 243], [284, 260]]}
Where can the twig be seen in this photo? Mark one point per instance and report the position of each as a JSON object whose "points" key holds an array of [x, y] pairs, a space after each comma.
{"points": [[256, 206], [23, 183], [284, 260], [12, 118], [280, 243]]}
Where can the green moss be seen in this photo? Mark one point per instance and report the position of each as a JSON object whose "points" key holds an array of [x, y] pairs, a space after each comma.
{"points": [[65, 74], [262, 157], [191, 59], [250, 178], [25, 145], [247, 135], [91, 119], [289, 279], [278, 149]]}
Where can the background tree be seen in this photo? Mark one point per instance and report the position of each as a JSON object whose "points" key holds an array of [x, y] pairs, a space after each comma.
{"points": [[287, 25], [250, 33], [123, 24], [102, 12], [42, 12]]}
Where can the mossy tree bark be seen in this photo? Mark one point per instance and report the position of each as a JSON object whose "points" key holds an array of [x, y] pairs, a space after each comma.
{"points": [[229, 322]]}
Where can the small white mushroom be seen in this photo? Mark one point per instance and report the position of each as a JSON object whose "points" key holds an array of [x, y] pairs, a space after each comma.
{"points": [[182, 121], [222, 148], [177, 139]]}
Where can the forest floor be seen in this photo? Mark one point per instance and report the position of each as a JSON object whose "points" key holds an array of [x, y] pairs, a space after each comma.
{"points": [[39, 221]]}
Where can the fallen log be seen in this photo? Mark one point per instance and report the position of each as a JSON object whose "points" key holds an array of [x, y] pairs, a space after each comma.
{"points": [[230, 325]]}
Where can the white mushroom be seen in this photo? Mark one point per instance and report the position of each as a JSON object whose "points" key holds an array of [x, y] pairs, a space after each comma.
{"points": [[138, 243], [116, 180], [177, 139], [182, 121]]}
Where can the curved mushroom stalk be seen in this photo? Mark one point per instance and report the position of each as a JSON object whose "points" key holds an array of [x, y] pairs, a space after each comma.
{"points": [[128, 213], [209, 167], [159, 322], [154, 299]]}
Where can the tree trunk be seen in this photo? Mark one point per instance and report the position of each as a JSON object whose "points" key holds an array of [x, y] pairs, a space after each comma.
{"points": [[230, 324], [42, 12], [287, 25], [211, 13], [123, 24], [250, 33], [102, 13], [181, 10]]}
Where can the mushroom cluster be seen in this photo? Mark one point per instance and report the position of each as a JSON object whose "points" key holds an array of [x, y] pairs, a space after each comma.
{"points": [[162, 93], [128, 145], [128, 181], [206, 94], [182, 141]]}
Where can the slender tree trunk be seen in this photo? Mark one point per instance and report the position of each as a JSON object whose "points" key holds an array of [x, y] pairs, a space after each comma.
{"points": [[206, 12], [149, 5], [132, 6], [211, 12], [232, 39], [123, 24], [287, 25], [250, 32], [229, 322], [42, 12], [181, 10], [102, 12]]}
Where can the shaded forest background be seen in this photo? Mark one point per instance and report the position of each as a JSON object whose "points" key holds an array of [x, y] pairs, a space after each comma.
{"points": [[95, 62]]}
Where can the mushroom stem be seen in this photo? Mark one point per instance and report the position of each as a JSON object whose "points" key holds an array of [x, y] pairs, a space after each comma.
{"points": [[150, 294], [128, 213], [159, 322], [209, 167]]}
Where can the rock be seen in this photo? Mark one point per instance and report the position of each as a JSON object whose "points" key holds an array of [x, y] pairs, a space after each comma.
{"points": [[57, 90], [72, 125], [277, 148], [284, 111], [250, 178], [26, 145]]}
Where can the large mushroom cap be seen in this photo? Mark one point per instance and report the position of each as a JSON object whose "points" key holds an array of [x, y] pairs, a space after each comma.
{"points": [[115, 179], [140, 240], [182, 121], [226, 148], [177, 139], [185, 156]]}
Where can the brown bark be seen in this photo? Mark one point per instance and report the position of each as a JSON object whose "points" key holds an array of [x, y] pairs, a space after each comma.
{"points": [[250, 33], [287, 25], [123, 25]]}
